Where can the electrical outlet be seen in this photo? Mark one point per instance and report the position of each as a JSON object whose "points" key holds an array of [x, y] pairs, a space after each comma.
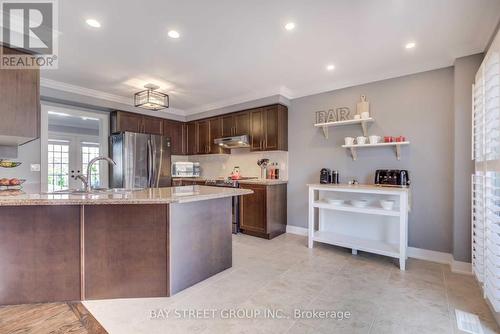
{"points": [[35, 167]]}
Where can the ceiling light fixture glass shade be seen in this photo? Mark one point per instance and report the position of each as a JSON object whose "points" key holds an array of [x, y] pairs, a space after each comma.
{"points": [[151, 99]]}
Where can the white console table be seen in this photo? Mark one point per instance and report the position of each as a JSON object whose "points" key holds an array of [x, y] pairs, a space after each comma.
{"points": [[370, 229]]}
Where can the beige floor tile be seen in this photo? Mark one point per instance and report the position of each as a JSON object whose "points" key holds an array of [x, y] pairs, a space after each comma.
{"points": [[283, 275]]}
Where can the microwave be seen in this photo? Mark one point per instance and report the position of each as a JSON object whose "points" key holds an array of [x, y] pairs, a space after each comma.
{"points": [[186, 169]]}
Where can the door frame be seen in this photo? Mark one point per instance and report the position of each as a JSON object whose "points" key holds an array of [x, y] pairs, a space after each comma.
{"points": [[44, 137]]}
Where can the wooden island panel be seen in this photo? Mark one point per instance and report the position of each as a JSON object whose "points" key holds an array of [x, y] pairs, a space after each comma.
{"points": [[126, 251], [39, 254]]}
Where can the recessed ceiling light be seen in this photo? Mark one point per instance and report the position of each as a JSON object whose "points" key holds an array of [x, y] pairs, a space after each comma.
{"points": [[330, 67], [410, 45], [173, 34], [290, 26], [93, 23]]}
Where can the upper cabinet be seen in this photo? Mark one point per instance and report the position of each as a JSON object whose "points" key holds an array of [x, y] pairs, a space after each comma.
{"points": [[122, 121], [236, 124], [177, 131], [269, 128], [19, 106]]}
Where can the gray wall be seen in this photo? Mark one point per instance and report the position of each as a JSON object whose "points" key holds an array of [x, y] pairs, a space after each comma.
{"points": [[464, 72], [419, 107]]}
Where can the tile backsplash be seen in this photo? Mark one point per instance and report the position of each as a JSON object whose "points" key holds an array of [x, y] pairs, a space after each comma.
{"points": [[221, 165]]}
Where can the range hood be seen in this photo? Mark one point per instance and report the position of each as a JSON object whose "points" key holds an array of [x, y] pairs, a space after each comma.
{"points": [[233, 142]]}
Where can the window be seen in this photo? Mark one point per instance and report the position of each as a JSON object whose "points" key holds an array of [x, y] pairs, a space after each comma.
{"points": [[58, 165], [89, 152]]}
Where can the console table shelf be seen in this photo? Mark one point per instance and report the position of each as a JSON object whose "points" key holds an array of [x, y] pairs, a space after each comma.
{"points": [[370, 229], [363, 122]]}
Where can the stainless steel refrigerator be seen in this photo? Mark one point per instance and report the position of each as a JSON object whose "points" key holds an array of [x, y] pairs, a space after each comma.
{"points": [[142, 161]]}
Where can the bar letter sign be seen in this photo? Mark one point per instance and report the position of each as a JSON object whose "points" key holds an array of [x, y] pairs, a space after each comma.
{"points": [[333, 115]]}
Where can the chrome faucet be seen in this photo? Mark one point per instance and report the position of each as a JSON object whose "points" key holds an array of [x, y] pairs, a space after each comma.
{"points": [[86, 180]]}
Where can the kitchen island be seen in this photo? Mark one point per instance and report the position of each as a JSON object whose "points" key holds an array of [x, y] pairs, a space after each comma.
{"points": [[115, 244]]}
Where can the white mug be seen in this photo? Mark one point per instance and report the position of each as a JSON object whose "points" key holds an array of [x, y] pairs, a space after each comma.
{"points": [[349, 140], [356, 117], [374, 139], [365, 115], [361, 140]]}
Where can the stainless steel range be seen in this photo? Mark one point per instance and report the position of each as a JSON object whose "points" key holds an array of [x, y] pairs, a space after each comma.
{"points": [[228, 183]]}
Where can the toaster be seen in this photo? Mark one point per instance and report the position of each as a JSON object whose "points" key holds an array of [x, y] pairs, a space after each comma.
{"points": [[392, 177]]}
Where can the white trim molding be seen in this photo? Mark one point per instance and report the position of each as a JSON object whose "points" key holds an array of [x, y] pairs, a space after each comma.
{"points": [[416, 253]]}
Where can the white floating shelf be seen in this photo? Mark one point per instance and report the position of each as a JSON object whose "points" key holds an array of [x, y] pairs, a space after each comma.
{"points": [[371, 246], [363, 122], [371, 210], [397, 145]]}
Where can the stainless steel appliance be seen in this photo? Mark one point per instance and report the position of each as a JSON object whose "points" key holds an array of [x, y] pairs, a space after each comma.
{"points": [[228, 183], [392, 177], [233, 142], [142, 161], [185, 169]]}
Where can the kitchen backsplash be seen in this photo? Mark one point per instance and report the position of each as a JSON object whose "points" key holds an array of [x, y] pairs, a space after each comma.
{"points": [[221, 165]]}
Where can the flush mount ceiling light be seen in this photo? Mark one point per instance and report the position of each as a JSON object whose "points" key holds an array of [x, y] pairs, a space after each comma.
{"points": [[174, 34], [151, 99], [410, 45], [330, 67], [93, 23], [290, 26]]}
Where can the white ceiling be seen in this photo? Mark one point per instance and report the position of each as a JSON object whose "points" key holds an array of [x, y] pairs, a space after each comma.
{"points": [[231, 51]]}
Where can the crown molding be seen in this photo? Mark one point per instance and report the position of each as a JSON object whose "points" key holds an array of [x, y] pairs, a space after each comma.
{"points": [[74, 89]]}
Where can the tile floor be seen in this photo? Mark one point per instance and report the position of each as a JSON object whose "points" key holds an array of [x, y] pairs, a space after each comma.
{"points": [[283, 275]]}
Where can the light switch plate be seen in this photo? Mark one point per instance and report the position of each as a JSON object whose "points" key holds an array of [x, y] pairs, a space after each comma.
{"points": [[35, 167]]}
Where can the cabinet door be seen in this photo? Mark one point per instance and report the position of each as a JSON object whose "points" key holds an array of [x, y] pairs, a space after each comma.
{"points": [[257, 130], [122, 121], [271, 128], [202, 133], [152, 125], [215, 125], [227, 126], [177, 133], [192, 141], [20, 103], [253, 209], [242, 123]]}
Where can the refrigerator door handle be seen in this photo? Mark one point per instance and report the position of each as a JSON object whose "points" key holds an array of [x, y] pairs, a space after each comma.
{"points": [[150, 164]]}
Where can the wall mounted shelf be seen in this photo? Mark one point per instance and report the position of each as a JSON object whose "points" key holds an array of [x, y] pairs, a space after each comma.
{"points": [[363, 122], [396, 145]]}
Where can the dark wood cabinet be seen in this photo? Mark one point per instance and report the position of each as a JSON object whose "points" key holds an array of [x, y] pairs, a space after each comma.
{"points": [[192, 140], [215, 130], [237, 124], [242, 123], [152, 125], [227, 125], [269, 128], [257, 129], [177, 131], [203, 137], [263, 213], [122, 121], [266, 127], [20, 105]]}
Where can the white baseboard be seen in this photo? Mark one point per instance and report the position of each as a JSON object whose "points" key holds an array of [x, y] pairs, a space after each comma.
{"points": [[416, 253]]}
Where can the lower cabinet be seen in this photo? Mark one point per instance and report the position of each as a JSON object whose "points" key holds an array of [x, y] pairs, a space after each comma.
{"points": [[263, 213]]}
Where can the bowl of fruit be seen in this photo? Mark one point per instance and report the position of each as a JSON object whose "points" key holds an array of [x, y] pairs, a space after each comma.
{"points": [[8, 183]]}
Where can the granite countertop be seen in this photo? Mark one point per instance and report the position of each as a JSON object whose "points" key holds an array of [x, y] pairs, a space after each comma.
{"points": [[265, 182], [147, 196]]}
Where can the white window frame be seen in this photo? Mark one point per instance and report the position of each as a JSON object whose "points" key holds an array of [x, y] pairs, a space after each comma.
{"points": [[103, 118]]}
